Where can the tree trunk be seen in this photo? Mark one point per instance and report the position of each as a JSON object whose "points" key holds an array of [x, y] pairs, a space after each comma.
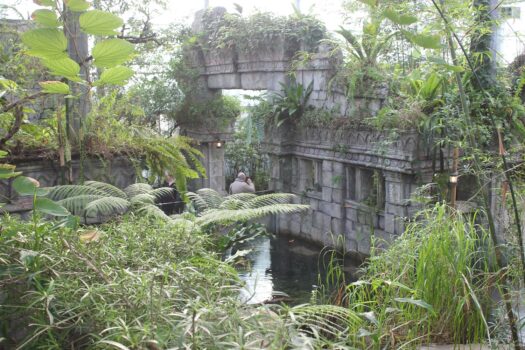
{"points": [[77, 108]]}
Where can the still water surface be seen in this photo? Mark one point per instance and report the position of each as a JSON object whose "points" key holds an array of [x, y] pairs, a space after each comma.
{"points": [[283, 264]]}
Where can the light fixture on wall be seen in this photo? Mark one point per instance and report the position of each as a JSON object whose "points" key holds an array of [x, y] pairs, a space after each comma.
{"points": [[219, 144], [453, 178]]}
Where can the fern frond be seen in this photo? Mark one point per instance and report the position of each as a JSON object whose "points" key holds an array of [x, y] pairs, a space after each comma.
{"points": [[61, 192], [108, 189], [141, 199], [231, 203], [138, 188], [106, 206], [198, 202], [211, 197], [228, 217], [77, 204], [162, 192], [242, 196], [269, 199], [151, 210]]}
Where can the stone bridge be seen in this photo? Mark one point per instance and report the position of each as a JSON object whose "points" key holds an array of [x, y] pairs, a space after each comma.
{"points": [[358, 182]]}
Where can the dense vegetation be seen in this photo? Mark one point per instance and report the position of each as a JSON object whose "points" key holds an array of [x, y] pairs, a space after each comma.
{"points": [[145, 280]]}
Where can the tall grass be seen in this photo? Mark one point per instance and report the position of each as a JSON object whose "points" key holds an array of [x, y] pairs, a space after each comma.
{"points": [[432, 284]]}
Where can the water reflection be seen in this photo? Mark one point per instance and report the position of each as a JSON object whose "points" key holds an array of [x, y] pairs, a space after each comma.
{"points": [[280, 265]]}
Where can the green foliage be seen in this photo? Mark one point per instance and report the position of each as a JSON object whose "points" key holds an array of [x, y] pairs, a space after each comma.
{"points": [[100, 201], [214, 209], [431, 285], [290, 104], [261, 29]]}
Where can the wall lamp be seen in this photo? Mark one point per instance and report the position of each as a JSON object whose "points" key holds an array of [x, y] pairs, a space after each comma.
{"points": [[454, 178], [219, 144]]}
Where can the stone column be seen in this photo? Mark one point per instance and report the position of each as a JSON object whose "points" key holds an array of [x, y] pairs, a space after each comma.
{"points": [[397, 188]]}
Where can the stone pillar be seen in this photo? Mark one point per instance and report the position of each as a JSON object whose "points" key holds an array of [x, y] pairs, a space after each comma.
{"points": [[397, 188]]}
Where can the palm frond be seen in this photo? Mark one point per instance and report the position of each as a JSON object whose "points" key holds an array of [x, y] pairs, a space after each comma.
{"points": [[138, 188], [77, 204], [228, 216], [108, 189], [106, 206], [269, 199], [61, 192]]}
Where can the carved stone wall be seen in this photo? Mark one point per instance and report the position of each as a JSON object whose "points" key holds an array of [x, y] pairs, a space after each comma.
{"points": [[118, 171], [358, 183]]}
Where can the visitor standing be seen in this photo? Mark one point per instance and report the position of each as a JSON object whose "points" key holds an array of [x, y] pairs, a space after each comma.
{"points": [[242, 184]]}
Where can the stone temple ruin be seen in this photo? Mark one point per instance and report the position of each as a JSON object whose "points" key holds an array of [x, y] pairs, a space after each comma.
{"points": [[357, 182]]}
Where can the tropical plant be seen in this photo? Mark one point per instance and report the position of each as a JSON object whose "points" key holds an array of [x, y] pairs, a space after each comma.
{"points": [[96, 201], [432, 284], [290, 104], [212, 209], [138, 283]]}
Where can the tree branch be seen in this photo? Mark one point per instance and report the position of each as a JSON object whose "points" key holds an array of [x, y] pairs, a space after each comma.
{"points": [[12, 105], [19, 116]]}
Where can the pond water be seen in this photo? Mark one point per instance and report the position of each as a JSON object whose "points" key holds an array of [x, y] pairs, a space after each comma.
{"points": [[282, 268]]}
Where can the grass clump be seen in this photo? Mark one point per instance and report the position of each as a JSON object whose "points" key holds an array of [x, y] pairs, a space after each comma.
{"points": [[433, 284]]}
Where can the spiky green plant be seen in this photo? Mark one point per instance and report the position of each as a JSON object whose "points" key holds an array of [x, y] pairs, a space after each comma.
{"points": [[95, 200]]}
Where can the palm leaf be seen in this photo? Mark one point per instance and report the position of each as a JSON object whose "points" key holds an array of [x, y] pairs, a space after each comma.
{"points": [[108, 189], [106, 206], [61, 192]]}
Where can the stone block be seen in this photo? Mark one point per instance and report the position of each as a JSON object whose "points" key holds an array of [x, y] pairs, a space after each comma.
{"points": [[327, 222], [365, 217], [399, 225], [295, 227], [351, 214], [351, 245], [306, 223], [394, 193], [390, 225], [314, 204], [398, 210], [283, 224], [337, 226], [327, 165], [337, 196], [327, 194], [317, 219]]}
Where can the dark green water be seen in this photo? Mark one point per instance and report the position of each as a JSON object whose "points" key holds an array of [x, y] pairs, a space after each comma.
{"points": [[283, 264]]}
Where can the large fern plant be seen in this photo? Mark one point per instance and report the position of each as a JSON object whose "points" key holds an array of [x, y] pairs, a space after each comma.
{"points": [[211, 208], [96, 201]]}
